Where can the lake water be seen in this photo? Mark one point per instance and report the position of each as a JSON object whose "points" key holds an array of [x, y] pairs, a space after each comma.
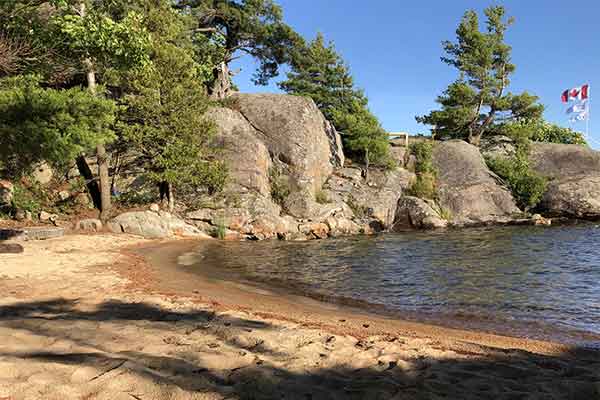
{"points": [[525, 281]]}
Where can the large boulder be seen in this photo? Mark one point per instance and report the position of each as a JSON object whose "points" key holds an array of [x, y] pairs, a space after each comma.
{"points": [[416, 213], [467, 188], [574, 174], [246, 155], [152, 225], [296, 134]]}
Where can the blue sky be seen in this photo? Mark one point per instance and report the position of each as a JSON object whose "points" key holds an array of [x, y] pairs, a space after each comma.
{"points": [[394, 47]]}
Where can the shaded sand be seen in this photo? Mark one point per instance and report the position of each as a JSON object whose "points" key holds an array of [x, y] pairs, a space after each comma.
{"points": [[82, 320]]}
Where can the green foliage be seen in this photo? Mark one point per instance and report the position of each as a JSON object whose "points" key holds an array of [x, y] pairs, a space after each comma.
{"points": [[319, 72], [32, 199], [280, 186], [221, 229], [321, 197], [164, 115], [41, 124], [479, 98], [121, 43], [540, 131], [446, 214], [228, 27], [527, 186], [360, 211], [424, 185]]}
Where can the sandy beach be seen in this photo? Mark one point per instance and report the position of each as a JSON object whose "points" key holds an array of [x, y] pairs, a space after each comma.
{"points": [[89, 317]]}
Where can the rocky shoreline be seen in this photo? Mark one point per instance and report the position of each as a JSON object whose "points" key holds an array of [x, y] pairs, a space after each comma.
{"points": [[290, 180]]}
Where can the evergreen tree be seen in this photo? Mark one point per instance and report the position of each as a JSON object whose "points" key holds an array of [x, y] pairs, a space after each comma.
{"points": [[232, 28], [165, 119], [479, 98], [320, 73], [42, 124]]}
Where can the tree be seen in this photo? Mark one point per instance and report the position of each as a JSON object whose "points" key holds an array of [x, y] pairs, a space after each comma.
{"points": [[320, 73], [164, 118], [97, 39], [44, 124], [479, 98], [231, 28]]}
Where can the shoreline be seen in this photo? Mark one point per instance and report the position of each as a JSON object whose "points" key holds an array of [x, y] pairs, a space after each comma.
{"points": [[85, 317], [308, 311]]}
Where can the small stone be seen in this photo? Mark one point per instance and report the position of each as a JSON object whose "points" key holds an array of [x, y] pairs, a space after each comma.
{"points": [[537, 219], [20, 215], [28, 216], [82, 199], [90, 225], [47, 217], [6, 193], [64, 195], [154, 207]]}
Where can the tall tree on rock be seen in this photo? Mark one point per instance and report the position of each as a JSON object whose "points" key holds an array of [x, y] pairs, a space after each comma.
{"points": [[320, 73], [253, 27], [479, 98]]}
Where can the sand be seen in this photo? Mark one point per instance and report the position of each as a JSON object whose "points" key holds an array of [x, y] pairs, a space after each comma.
{"points": [[84, 317]]}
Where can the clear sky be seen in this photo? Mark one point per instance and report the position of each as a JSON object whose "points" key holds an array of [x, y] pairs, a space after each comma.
{"points": [[393, 48]]}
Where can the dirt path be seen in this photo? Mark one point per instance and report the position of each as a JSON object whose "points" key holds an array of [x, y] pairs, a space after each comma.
{"points": [[72, 327]]}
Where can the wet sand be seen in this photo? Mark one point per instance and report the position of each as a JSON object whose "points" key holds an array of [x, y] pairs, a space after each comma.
{"points": [[87, 317]]}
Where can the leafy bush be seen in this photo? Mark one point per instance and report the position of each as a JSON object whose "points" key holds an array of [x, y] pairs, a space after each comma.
{"points": [[359, 210], [280, 186], [30, 199], [540, 131], [527, 186], [445, 213], [321, 197], [424, 186]]}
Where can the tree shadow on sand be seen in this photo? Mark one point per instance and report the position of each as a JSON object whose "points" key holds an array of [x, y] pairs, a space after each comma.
{"points": [[485, 374]]}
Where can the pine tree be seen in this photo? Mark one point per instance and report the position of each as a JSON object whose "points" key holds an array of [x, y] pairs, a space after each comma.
{"points": [[164, 118], [320, 73], [479, 98]]}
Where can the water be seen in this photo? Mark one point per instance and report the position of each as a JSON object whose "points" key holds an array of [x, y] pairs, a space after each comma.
{"points": [[525, 281]]}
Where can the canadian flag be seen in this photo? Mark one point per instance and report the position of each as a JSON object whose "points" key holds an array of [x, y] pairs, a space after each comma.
{"points": [[578, 93]]}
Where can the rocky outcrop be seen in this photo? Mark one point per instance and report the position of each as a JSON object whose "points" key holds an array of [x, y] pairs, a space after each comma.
{"points": [[416, 213], [375, 199], [247, 157], [574, 179], [296, 134], [152, 225], [467, 188], [498, 146]]}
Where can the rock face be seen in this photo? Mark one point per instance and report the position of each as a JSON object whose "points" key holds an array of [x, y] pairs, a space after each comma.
{"points": [[246, 155], [376, 199], [574, 173], [152, 225], [467, 188], [296, 134], [413, 212]]}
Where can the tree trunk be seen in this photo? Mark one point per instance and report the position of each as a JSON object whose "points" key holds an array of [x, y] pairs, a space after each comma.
{"points": [[92, 185], [166, 195], [103, 174], [222, 85], [475, 138], [367, 162]]}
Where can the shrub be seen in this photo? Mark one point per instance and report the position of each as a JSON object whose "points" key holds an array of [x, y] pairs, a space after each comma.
{"points": [[424, 186], [280, 186], [446, 214], [220, 230], [321, 197], [359, 210], [28, 199], [527, 186]]}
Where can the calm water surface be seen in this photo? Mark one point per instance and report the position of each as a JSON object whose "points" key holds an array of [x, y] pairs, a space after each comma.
{"points": [[526, 281]]}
